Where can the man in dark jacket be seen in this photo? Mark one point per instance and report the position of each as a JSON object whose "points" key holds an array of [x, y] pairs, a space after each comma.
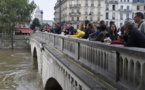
{"points": [[86, 29], [57, 28], [132, 36], [70, 29]]}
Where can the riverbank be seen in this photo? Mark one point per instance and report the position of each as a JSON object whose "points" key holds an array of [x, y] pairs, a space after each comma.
{"points": [[19, 42]]}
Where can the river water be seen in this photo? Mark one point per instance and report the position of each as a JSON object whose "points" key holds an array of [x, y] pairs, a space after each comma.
{"points": [[17, 71]]}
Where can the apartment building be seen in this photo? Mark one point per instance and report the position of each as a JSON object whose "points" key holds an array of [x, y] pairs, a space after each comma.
{"points": [[138, 6], [75, 11], [118, 11], [111, 11], [124, 11]]}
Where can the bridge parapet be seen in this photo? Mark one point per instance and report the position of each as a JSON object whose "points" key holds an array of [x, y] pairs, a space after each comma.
{"points": [[125, 65]]}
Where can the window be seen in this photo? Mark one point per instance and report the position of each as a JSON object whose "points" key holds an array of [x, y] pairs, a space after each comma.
{"points": [[72, 18], [72, 3], [107, 15], [137, 0], [127, 7], [127, 0], [113, 7], [86, 2], [127, 15], [99, 3], [98, 18], [78, 2], [91, 11], [86, 10], [86, 17], [77, 18], [121, 7], [120, 0], [121, 16], [92, 2], [107, 7], [78, 11], [72, 11], [138, 8], [120, 24], [107, 22], [91, 18], [132, 15], [99, 11], [113, 16]]}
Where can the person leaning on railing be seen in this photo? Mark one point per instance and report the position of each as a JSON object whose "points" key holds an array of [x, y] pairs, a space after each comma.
{"points": [[132, 36], [77, 34], [101, 35], [112, 34]]}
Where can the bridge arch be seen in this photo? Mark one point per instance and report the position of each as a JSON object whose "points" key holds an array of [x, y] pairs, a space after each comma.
{"points": [[52, 84], [35, 60]]}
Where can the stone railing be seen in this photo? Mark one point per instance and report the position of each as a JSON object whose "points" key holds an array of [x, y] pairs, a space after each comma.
{"points": [[124, 65]]}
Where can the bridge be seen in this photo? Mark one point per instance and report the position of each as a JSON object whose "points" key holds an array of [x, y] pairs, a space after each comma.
{"points": [[77, 64]]}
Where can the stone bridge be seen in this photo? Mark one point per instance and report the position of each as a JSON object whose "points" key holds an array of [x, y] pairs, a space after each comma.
{"points": [[77, 64]]}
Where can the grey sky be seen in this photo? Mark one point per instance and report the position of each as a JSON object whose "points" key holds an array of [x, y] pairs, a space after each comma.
{"points": [[48, 8]]}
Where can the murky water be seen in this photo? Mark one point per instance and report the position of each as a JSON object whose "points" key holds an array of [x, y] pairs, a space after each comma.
{"points": [[17, 71]]}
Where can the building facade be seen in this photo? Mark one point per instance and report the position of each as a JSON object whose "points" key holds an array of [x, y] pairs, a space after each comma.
{"points": [[124, 11], [111, 8], [138, 6], [118, 11], [75, 11]]}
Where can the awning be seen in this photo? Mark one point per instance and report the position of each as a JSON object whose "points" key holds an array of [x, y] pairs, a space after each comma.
{"points": [[25, 30]]}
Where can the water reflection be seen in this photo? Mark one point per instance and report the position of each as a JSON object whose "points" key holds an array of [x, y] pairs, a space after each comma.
{"points": [[17, 72]]}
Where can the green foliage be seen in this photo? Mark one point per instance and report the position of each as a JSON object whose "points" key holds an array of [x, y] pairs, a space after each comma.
{"points": [[35, 23], [44, 24], [13, 12]]}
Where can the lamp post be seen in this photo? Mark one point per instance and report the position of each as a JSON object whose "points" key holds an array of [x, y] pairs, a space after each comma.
{"points": [[59, 11], [41, 16]]}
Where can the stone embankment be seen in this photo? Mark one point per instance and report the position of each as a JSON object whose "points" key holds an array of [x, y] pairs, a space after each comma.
{"points": [[19, 42]]}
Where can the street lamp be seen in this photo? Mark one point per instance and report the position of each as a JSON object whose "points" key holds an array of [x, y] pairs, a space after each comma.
{"points": [[59, 11], [41, 16]]}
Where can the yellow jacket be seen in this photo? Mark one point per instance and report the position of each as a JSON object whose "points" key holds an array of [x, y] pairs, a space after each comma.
{"points": [[78, 34]]}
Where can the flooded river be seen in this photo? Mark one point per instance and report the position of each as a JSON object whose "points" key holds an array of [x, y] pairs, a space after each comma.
{"points": [[17, 71]]}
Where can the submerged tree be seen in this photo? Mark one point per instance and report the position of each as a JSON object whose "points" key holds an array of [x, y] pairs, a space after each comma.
{"points": [[14, 12]]}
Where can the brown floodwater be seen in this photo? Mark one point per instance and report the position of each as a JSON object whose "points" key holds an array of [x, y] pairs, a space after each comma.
{"points": [[17, 71]]}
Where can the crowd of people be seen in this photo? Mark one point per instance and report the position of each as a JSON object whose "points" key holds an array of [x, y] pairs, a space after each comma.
{"points": [[132, 33]]}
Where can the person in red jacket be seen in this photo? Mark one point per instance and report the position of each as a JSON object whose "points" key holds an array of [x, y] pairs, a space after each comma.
{"points": [[48, 28]]}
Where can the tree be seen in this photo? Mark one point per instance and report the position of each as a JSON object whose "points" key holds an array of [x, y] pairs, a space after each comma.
{"points": [[35, 23], [13, 12]]}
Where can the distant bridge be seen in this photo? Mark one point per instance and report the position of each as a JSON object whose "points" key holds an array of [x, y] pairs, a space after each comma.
{"points": [[77, 64]]}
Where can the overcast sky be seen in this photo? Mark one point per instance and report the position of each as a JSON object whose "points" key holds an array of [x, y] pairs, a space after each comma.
{"points": [[48, 8]]}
